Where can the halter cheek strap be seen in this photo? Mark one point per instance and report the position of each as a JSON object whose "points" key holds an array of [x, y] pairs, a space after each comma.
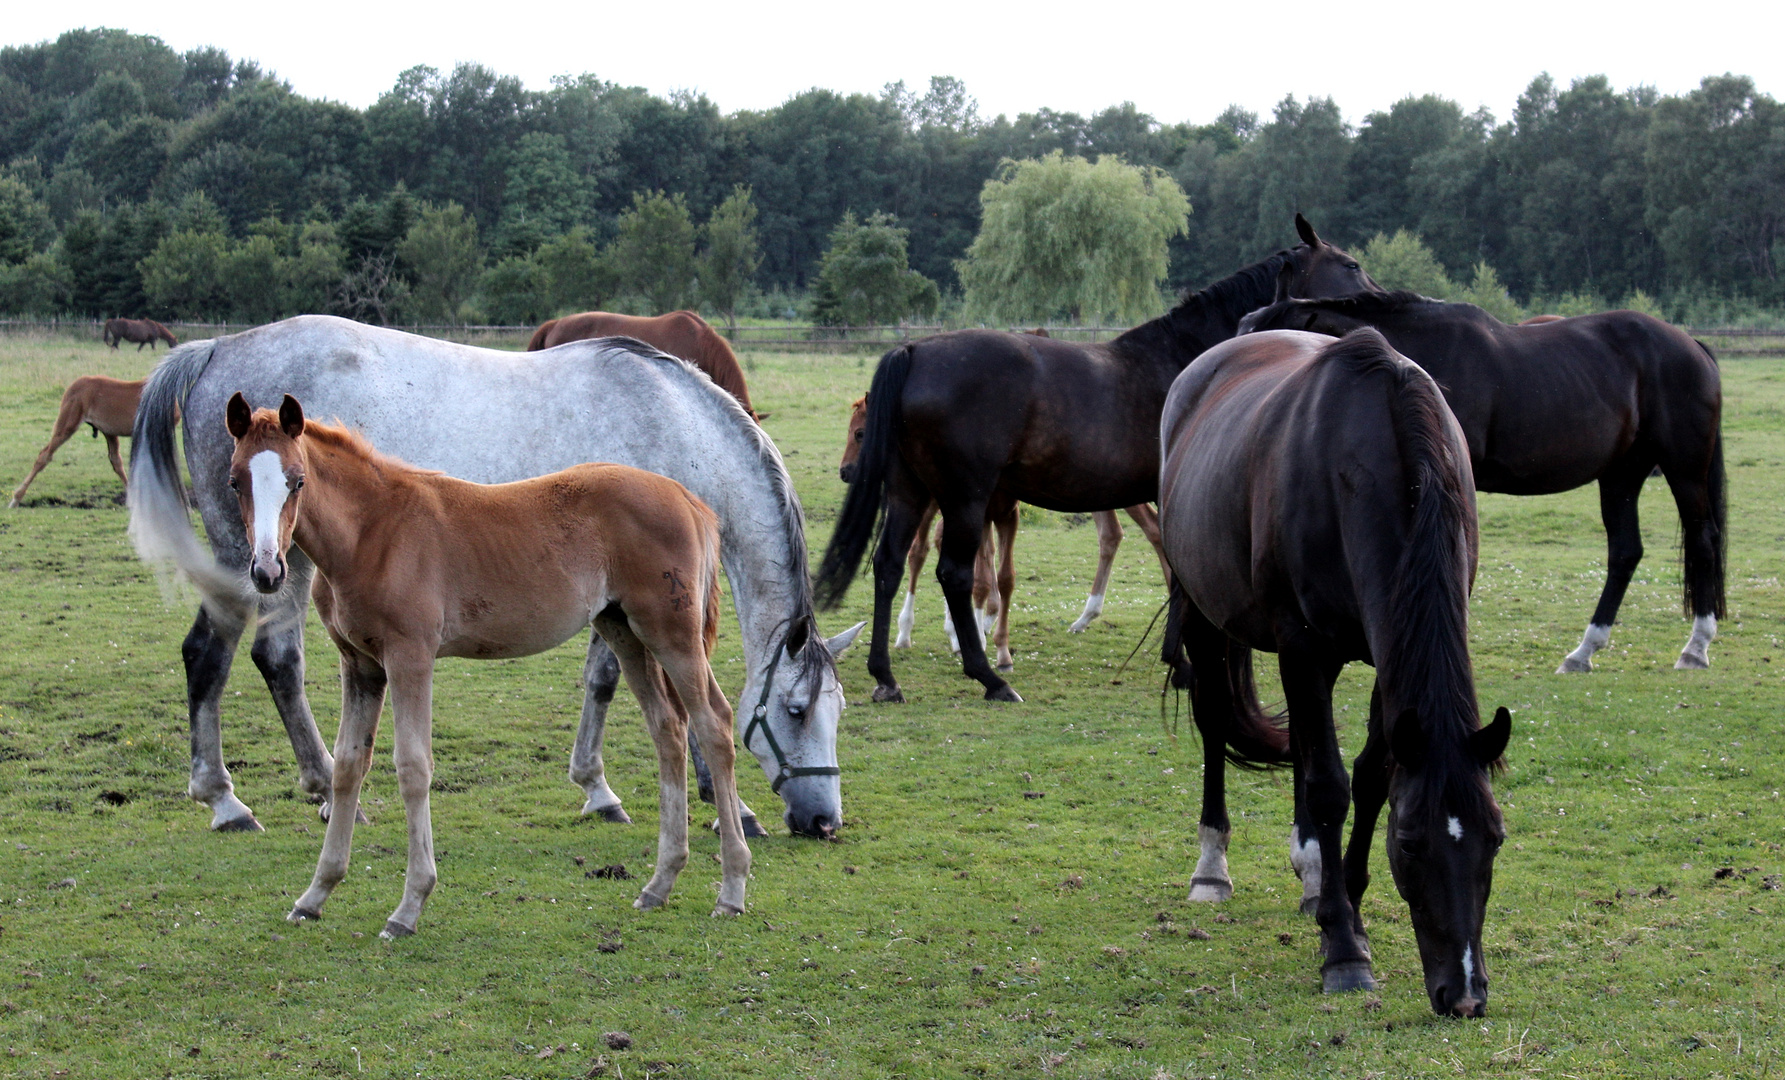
{"points": [[759, 719]]}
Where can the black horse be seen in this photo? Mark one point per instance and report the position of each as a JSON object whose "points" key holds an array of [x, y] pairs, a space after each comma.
{"points": [[1549, 407], [1315, 503], [981, 419]]}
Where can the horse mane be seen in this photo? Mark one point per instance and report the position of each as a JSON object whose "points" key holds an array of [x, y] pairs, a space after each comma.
{"points": [[343, 439], [1427, 663], [1224, 303]]}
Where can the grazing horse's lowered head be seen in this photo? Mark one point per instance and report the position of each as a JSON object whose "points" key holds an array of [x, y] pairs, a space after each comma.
{"points": [[1442, 839], [1316, 268]]}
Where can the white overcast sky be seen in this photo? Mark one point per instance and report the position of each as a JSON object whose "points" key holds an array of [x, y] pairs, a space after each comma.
{"points": [[1178, 61]]}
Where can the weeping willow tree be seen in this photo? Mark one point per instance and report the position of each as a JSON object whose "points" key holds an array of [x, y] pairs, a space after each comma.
{"points": [[1061, 236]]}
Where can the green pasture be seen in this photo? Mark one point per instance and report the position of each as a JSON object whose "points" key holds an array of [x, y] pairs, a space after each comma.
{"points": [[1007, 897]]}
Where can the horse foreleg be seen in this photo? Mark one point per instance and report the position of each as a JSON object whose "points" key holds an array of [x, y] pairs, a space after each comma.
{"points": [[1326, 797], [1618, 492], [1005, 522], [278, 652], [914, 560], [209, 648], [889, 558], [412, 704], [362, 699], [961, 528], [1369, 790], [1109, 538], [601, 675], [703, 777]]}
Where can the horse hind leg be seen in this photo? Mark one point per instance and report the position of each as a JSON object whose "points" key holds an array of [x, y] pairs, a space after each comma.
{"points": [[669, 736], [914, 560], [1699, 496], [1619, 489], [68, 421], [1006, 524], [601, 676], [1109, 538], [710, 722], [961, 530]]}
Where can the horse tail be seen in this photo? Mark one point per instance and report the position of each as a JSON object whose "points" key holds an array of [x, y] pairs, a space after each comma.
{"points": [[1716, 491], [1251, 737], [537, 341], [866, 499], [160, 525], [709, 572]]}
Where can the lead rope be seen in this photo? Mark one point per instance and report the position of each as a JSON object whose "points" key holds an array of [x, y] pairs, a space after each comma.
{"points": [[759, 718]]}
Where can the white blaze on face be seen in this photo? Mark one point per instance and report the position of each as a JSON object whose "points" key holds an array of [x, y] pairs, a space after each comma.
{"points": [[267, 475], [1468, 966], [1455, 828]]}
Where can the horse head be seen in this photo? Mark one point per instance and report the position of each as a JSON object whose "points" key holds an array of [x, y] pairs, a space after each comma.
{"points": [[852, 440], [792, 727], [267, 474], [1444, 830], [1317, 268]]}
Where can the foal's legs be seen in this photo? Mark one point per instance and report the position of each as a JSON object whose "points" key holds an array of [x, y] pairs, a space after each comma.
{"points": [[919, 553], [362, 699], [1619, 489], [961, 528], [412, 703], [1005, 522], [669, 735], [1308, 681], [1109, 538], [709, 714]]}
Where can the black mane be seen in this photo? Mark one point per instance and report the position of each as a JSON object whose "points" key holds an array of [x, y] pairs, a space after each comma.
{"points": [[1210, 316]]}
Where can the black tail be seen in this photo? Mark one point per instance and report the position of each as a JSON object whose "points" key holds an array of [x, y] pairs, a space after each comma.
{"points": [[1254, 739], [1716, 490], [867, 494]]}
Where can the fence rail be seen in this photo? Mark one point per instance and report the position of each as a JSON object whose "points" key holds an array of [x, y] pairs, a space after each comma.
{"points": [[1725, 341]]}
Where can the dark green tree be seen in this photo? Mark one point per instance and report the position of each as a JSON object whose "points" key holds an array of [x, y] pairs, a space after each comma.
{"points": [[865, 278], [653, 255]]}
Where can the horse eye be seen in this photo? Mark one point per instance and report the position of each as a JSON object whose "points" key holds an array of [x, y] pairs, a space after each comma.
{"points": [[233, 486], [860, 435], [297, 484], [1351, 266], [1413, 849], [796, 711]]}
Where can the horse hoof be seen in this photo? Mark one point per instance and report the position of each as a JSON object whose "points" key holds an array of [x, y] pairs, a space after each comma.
{"points": [[1210, 890], [299, 914], [1006, 668], [615, 814], [723, 910], [240, 824], [706, 795], [1571, 666], [394, 930], [753, 827], [1345, 977], [1078, 627], [1003, 692], [891, 695], [359, 814], [1690, 662], [646, 901]]}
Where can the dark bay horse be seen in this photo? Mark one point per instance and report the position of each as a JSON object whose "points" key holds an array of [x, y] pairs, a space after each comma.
{"points": [[1315, 502], [979, 420], [142, 331], [106, 405], [1555, 405], [679, 333]]}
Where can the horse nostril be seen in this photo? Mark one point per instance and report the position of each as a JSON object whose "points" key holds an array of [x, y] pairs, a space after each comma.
{"points": [[1468, 1006], [824, 828]]}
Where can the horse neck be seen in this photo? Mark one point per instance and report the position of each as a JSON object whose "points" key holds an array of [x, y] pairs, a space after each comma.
{"points": [[1204, 318], [344, 493], [763, 549]]}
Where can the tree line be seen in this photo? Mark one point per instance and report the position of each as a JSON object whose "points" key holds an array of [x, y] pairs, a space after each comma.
{"points": [[139, 180]]}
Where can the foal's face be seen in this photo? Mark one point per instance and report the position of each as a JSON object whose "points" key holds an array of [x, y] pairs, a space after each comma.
{"points": [[1441, 848], [852, 442], [267, 473]]}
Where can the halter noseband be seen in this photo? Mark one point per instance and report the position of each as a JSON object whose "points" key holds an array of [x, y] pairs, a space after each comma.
{"points": [[760, 719]]}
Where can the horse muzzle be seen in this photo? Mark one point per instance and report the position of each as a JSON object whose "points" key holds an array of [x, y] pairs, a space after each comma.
{"points": [[846, 473], [267, 573]]}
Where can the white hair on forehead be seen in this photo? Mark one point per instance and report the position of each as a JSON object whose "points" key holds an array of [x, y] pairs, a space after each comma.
{"points": [[266, 473]]}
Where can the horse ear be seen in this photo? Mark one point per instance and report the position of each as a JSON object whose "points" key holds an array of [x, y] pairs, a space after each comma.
{"points": [[842, 641], [291, 417], [238, 416], [1490, 742], [1306, 231], [1408, 740], [797, 635]]}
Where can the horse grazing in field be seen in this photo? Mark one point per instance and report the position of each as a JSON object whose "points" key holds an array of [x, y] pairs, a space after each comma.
{"points": [[679, 333], [493, 417], [992, 591], [1315, 502], [106, 405], [1553, 406], [413, 565], [979, 420], [142, 331]]}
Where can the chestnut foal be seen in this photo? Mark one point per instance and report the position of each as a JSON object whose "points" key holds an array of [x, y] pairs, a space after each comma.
{"points": [[414, 565]]}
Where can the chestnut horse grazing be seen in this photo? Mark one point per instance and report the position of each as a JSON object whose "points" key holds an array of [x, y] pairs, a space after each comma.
{"points": [[1550, 406], [106, 405], [413, 565], [1315, 501], [679, 333], [141, 331], [979, 420]]}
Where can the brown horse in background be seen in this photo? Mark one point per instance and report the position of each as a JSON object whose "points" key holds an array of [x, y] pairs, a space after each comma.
{"points": [[680, 333], [414, 565], [106, 405], [142, 331]]}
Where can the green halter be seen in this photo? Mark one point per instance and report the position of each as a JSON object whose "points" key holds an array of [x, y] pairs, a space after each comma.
{"points": [[760, 719]]}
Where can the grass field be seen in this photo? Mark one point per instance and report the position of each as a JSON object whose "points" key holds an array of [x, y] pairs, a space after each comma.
{"points": [[1007, 897]]}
